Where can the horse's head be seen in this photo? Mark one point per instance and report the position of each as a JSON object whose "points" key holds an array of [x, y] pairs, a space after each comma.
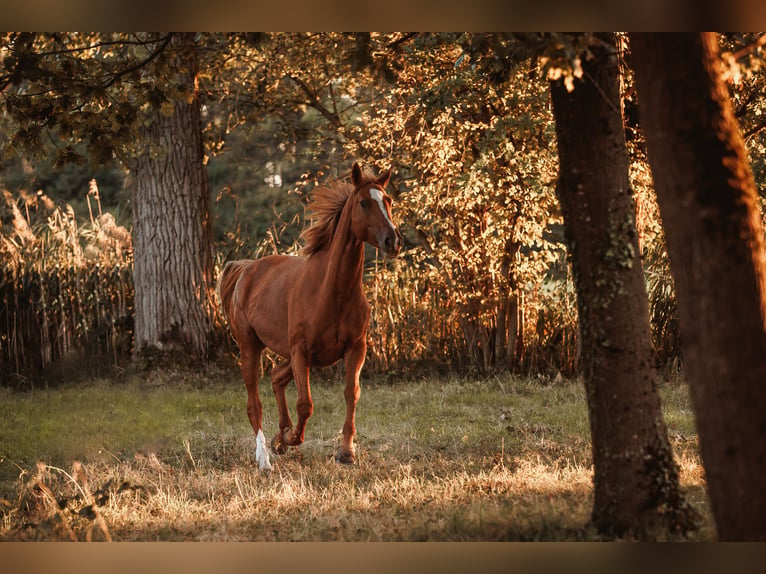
{"points": [[371, 218]]}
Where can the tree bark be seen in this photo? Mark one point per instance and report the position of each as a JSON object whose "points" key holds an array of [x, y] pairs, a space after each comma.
{"points": [[709, 206], [171, 232], [636, 487], [501, 332], [513, 330], [505, 336]]}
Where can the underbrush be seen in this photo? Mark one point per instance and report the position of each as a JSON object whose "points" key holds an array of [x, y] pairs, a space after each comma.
{"points": [[170, 456]]}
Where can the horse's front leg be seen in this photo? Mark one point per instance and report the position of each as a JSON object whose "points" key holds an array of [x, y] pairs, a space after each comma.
{"points": [[354, 359], [280, 376], [304, 405]]}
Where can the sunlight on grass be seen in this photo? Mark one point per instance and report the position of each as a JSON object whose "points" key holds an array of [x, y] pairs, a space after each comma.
{"points": [[454, 459]]}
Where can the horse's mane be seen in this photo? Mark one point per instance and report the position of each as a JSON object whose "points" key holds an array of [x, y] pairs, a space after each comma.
{"points": [[326, 205]]}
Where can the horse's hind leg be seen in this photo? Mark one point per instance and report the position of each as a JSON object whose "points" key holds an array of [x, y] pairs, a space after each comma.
{"points": [[280, 376], [304, 406], [251, 371]]}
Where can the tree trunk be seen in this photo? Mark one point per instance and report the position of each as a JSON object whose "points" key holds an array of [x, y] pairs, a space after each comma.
{"points": [[709, 207], [513, 329], [635, 481], [505, 336], [171, 234], [501, 333], [521, 344]]}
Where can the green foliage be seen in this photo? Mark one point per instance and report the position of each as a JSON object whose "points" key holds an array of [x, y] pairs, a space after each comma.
{"points": [[77, 89], [69, 184], [463, 118]]}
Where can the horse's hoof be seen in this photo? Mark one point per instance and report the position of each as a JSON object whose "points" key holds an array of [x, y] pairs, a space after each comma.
{"points": [[277, 445], [290, 439], [344, 457]]}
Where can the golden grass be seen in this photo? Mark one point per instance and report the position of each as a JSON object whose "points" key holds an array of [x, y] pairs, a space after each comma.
{"points": [[325, 502], [438, 460]]}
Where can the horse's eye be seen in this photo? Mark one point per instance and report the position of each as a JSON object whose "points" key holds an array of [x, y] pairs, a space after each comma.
{"points": [[363, 203]]}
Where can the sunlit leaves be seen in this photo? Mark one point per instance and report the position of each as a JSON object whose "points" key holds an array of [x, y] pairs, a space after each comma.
{"points": [[476, 167], [562, 57]]}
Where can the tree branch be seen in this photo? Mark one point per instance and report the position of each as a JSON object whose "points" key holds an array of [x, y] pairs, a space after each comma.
{"points": [[161, 48], [407, 36], [756, 129], [752, 47], [8, 79], [314, 101], [94, 46], [743, 106]]}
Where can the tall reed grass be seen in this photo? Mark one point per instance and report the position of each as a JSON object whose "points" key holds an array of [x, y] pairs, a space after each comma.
{"points": [[66, 289], [415, 322]]}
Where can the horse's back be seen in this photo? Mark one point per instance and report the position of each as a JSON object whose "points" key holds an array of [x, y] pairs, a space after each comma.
{"points": [[254, 294], [230, 275]]}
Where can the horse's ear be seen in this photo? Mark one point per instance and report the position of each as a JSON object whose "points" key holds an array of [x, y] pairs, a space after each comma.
{"points": [[383, 178], [356, 175]]}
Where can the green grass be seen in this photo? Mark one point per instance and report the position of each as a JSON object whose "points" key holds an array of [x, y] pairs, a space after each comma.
{"points": [[170, 456], [96, 418]]}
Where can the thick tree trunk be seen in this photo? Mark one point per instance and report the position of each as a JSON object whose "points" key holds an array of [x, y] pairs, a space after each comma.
{"points": [[709, 207], [635, 479], [171, 234]]}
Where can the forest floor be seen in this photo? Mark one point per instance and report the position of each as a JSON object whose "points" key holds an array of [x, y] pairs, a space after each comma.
{"points": [[169, 455]]}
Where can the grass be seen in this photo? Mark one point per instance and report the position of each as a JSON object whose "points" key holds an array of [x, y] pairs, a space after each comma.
{"points": [[170, 456]]}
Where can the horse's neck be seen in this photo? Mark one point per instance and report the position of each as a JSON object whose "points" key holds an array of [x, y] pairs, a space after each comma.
{"points": [[345, 259]]}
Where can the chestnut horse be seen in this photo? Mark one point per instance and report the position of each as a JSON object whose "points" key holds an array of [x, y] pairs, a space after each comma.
{"points": [[311, 309]]}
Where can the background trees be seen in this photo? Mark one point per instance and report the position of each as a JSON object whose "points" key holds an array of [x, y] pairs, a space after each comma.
{"points": [[463, 118], [226, 133], [103, 97]]}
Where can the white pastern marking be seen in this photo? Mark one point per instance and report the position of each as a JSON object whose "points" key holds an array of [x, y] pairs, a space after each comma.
{"points": [[261, 452], [377, 195]]}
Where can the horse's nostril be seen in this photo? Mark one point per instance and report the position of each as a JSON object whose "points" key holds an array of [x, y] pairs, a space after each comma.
{"points": [[388, 242]]}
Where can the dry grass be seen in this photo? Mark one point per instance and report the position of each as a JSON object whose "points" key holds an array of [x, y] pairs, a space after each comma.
{"points": [[66, 289], [499, 459]]}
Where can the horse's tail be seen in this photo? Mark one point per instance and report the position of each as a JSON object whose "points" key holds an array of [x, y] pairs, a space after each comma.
{"points": [[227, 284]]}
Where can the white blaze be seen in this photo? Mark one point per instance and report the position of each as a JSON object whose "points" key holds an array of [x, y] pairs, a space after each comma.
{"points": [[261, 452], [377, 195]]}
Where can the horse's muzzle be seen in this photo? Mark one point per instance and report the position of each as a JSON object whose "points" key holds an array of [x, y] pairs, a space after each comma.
{"points": [[392, 243]]}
